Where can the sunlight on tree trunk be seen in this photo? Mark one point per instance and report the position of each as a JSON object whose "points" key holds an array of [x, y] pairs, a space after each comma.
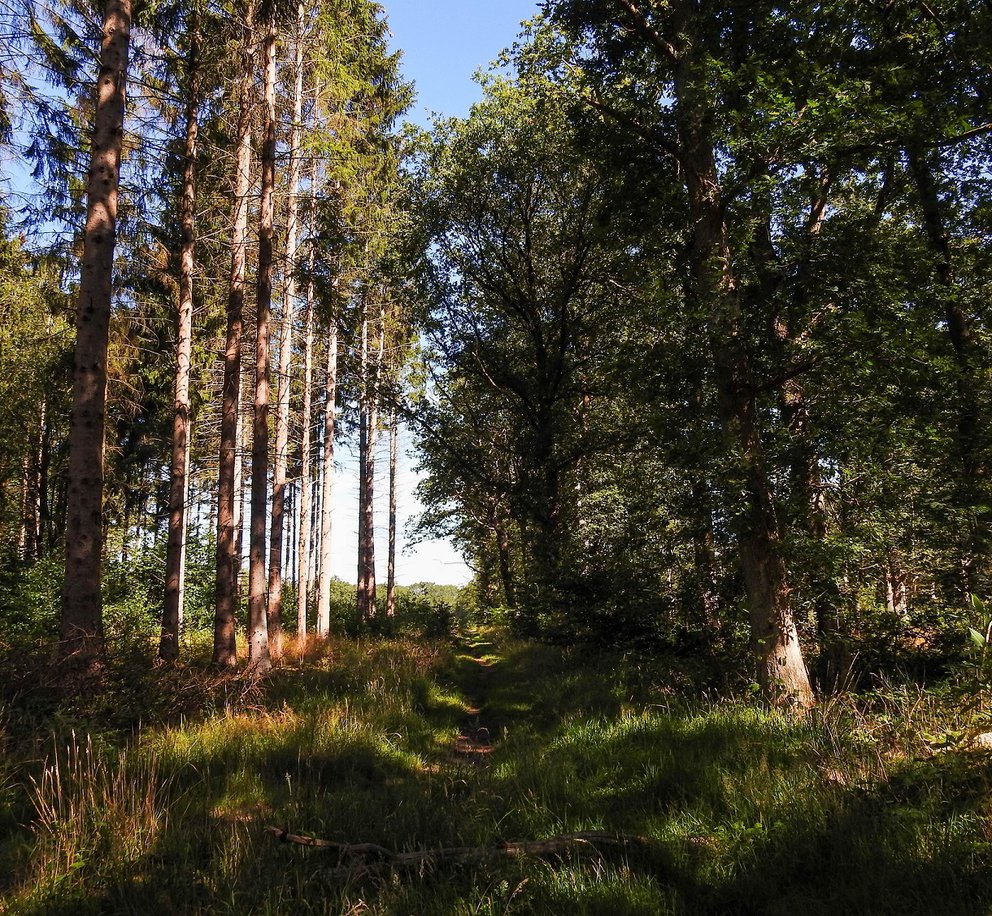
{"points": [[179, 485], [82, 608]]}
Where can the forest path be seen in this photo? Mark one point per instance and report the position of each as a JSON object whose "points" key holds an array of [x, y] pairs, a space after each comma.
{"points": [[474, 671]]}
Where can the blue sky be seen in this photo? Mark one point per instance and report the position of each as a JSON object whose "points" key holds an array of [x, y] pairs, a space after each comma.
{"points": [[444, 42]]}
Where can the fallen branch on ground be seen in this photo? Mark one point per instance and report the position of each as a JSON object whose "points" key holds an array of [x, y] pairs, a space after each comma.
{"points": [[365, 854]]}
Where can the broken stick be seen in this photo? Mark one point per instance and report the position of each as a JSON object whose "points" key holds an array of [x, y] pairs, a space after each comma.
{"points": [[364, 852]]}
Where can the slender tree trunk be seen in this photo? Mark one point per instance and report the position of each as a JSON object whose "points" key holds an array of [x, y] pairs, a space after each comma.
{"points": [[277, 536], [361, 588], [179, 483], [229, 486], [292, 563], [34, 471], [241, 496], [23, 507], [317, 489], [82, 609], [368, 423], [45, 533], [324, 575], [306, 424], [781, 671], [258, 628], [126, 528], [185, 548], [391, 566]]}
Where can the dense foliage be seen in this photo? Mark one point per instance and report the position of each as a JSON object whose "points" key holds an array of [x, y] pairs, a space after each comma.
{"points": [[708, 295]]}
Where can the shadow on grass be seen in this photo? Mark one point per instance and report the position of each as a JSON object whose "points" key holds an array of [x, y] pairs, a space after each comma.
{"points": [[751, 817], [736, 800]]}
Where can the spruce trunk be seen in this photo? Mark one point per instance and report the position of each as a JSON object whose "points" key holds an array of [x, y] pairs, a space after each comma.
{"points": [[391, 565], [277, 536], [82, 610], [229, 487], [368, 422], [179, 480], [258, 624], [324, 574], [306, 472]]}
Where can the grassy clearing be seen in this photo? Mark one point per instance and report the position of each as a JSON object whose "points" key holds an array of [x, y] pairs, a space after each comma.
{"points": [[858, 809]]}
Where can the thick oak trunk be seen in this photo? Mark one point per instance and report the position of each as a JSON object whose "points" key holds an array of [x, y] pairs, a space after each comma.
{"points": [[505, 563], [960, 334], [808, 510], [82, 611], [780, 669]]}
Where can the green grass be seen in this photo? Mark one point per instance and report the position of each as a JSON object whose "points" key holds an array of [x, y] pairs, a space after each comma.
{"points": [[861, 808]]}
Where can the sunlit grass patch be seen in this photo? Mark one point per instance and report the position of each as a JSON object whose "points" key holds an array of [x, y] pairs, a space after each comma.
{"points": [[93, 813], [743, 809]]}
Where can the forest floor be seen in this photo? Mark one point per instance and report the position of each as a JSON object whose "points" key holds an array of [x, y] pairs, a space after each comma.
{"points": [[871, 805]]}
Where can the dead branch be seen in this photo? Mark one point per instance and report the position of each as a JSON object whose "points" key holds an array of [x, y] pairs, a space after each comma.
{"points": [[366, 855]]}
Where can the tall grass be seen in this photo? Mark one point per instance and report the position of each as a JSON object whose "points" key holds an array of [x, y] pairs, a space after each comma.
{"points": [[94, 810], [863, 807]]}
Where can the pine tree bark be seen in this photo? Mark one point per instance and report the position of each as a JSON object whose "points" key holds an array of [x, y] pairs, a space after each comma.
{"points": [[240, 492], [327, 484], [258, 623], [229, 488], [277, 536], [82, 610], [179, 475]]}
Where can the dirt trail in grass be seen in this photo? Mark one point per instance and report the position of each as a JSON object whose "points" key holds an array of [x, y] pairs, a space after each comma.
{"points": [[475, 737]]}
